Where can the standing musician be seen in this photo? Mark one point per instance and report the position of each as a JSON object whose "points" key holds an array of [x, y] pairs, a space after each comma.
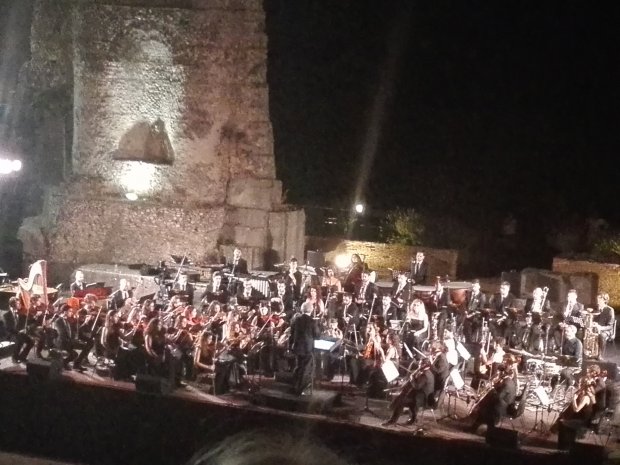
{"points": [[234, 268], [416, 326], [502, 393], [419, 269], [500, 304], [348, 315], [294, 279], [475, 303], [401, 292], [569, 313], [78, 284], [441, 298], [303, 333], [604, 322], [366, 292], [247, 296], [282, 303], [354, 275], [361, 366], [532, 334]]}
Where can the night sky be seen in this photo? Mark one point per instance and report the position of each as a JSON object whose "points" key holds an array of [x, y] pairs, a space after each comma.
{"points": [[492, 107]]}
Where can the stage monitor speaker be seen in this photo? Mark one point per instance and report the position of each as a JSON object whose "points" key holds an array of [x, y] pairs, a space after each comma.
{"points": [[612, 368], [149, 384], [315, 259], [502, 437], [6, 349], [42, 371]]}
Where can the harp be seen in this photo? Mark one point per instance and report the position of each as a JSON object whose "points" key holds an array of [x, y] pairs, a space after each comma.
{"points": [[36, 284]]}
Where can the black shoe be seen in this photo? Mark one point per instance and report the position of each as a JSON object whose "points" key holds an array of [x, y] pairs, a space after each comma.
{"points": [[79, 368], [410, 421], [15, 360]]}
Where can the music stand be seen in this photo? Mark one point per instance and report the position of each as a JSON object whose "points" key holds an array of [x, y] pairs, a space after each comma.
{"points": [[323, 345], [544, 403]]}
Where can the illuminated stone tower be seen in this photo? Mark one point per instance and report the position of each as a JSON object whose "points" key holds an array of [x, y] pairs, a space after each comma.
{"points": [[170, 106]]}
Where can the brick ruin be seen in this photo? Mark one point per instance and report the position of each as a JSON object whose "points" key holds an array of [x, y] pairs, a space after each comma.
{"points": [[168, 103]]}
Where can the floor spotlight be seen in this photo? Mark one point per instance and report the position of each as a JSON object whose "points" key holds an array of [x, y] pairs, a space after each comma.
{"points": [[359, 208], [131, 196]]}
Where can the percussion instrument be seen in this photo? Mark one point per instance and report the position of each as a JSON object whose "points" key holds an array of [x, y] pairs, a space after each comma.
{"points": [[551, 368]]}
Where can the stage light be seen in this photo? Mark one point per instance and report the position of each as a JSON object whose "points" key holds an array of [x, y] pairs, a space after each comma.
{"points": [[342, 261], [9, 166], [139, 177], [131, 196], [359, 208]]}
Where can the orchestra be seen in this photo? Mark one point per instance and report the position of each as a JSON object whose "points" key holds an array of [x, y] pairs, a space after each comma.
{"points": [[233, 335]]}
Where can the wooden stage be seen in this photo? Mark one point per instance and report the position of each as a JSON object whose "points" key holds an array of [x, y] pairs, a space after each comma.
{"points": [[83, 416]]}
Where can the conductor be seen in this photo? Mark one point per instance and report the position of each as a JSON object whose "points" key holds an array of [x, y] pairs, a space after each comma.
{"points": [[303, 333]]}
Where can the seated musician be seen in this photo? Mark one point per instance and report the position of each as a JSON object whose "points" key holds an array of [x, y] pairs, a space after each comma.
{"points": [[386, 311], [247, 296], [604, 321], [184, 289], [180, 338], [415, 328], [401, 291], [330, 360], [238, 265], [537, 303], [415, 394], [573, 348], [314, 298], [117, 299], [330, 281], [265, 323], [111, 334], [215, 290], [64, 339], [16, 325], [579, 412], [486, 364], [499, 398], [78, 284], [204, 355]]}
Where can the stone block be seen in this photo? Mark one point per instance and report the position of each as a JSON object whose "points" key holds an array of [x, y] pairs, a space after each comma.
{"points": [[559, 284], [248, 217], [608, 275], [250, 237], [250, 193]]}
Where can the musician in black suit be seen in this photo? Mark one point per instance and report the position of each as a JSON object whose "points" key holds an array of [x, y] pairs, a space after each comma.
{"points": [[304, 331], [64, 337], [184, 289], [386, 310], [348, 315], [15, 324], [293, 279], [604, 321], [573, 348], [247, 296], [78, 284], [401, 292], [568, 313], [236, 267], [366, 291], [419, 269], [282, 302], [499, 305], [476, 301], [215, 290], [443, 303], [117, 299]]}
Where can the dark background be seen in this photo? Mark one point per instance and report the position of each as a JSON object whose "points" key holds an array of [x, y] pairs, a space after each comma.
{"points": [[495, 107]]}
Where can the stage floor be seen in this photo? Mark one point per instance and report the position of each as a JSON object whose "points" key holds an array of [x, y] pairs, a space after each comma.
{"points": [[449, 421]]}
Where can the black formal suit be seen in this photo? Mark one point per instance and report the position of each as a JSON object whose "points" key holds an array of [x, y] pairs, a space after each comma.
{"points": [[285, 305], [529, 303], [419, 273], [75, 286], [303, 333], [365, 293], [210, 294], [388, 314], [185, 290], [64, 339], [441, 371], [353, 311], [117, 299], [294, 285], [497, 405], [403, 293], [420, 396], [237, 268], [499, 304], [248, 300], [570, 312], [476, 302], [14, 324]]}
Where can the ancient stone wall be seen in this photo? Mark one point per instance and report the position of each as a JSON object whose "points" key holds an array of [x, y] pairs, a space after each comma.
{"points": [[608, 275], [170, 104], [380, 257]]}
